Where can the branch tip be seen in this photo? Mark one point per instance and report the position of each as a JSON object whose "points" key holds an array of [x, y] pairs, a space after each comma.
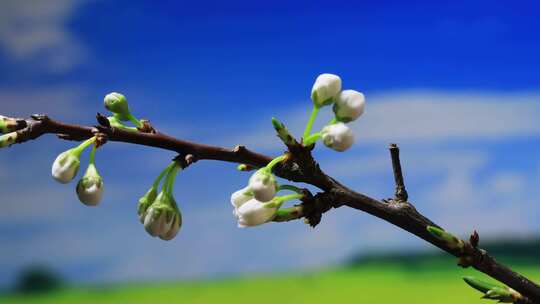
{"points": [[401, 193]]}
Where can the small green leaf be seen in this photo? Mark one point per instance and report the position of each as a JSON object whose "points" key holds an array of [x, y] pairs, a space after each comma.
{"points": [[450, 239], [479, 285], [282, 132]]}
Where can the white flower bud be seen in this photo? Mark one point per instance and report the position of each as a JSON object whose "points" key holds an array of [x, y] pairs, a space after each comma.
{"points": [[175, 227], [263, 185], [254, 213], [338, 136], [66, 166], [160, 216], [240, 197], [349, 105], [90, 187], [325, 88], [157, 221]]}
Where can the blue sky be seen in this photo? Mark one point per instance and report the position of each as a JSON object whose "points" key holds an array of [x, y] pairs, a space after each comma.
{"points": [[455, 85]]}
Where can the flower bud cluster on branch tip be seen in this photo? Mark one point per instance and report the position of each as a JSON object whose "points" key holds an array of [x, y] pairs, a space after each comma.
{"points": [[491, 291], [348, 106], [117, 104], [89, 189], [159, 212], [257, 203]]}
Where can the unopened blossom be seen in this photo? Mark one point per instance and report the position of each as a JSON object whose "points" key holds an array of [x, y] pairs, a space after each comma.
{"points": [[117, 103], [161, 217], [254, 213], [90, 187], [337, 136], [173, 229], [240, 197], [66, 166], [263, 185], [349, 105], [325, 89]]}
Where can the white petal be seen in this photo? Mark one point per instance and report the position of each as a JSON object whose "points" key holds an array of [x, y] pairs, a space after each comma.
{"points": [[338, 137], [239, 197], [254, 213], [325, 88], [65, 167], [349, 105]]}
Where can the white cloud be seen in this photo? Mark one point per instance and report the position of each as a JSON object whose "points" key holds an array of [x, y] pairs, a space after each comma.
{"points": [[62, 102], [441, 116], [35, 32]]}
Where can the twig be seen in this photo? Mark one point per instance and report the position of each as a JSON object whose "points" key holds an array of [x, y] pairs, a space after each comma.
{"points": [[401, 193], [300, 168]]}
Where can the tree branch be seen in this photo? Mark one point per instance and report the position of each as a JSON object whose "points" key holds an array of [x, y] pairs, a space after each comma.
{"points": [[300, 167]]}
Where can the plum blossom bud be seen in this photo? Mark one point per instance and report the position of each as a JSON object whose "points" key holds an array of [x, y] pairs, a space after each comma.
{"points": [[145, 202], [173, 230], [325, 88], [349, 105], [66, 166], [117, 103], [338, 136], [254, 213], [240, 197], [263, 185], [90, 187], [161, 217]]}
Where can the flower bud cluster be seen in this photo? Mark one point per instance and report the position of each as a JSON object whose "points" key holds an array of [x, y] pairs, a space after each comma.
{"points": [[348, 105], [159, 212], [89, 189], [257, 203]]}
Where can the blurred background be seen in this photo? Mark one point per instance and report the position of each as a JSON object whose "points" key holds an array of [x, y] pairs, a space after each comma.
{"points": [[454, 84]]}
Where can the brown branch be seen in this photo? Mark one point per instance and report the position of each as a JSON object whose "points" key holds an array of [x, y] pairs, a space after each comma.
{"points": [[301, 167]]}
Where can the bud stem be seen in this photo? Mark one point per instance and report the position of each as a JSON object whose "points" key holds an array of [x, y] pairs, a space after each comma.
{"points": [[310, 122], [311, 139], [160, 176], [290, 188], [135, 121], [80, 148], [274, 162], [117, 123], [284, 198], [169, 180], [333, 121], [92, 159]]}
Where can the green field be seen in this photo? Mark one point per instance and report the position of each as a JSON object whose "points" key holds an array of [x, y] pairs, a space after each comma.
{"points": [[388, 283]]}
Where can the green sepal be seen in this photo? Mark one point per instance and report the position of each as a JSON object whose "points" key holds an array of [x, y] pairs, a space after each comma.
{"points": [[315, 99], [146, 200], [452, 241]]}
